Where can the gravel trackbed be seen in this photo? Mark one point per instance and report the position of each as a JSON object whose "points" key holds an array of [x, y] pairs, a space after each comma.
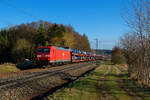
{"points": [[31, 84]]}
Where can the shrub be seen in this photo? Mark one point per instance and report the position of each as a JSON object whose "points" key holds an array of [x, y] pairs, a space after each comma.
{"points": [[117, 56]]}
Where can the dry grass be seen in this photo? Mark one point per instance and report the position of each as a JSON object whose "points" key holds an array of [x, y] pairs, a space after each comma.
{"points": [[8, 67]]}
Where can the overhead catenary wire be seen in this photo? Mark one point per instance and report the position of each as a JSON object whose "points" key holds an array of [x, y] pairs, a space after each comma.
{"points": [[18, 9]]}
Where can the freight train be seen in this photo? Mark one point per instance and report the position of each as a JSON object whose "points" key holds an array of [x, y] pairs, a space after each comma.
{"points": [[52, 55]]}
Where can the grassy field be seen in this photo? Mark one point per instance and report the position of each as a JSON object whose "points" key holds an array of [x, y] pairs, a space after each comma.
{"points": [[104, 83], [6, 68]]}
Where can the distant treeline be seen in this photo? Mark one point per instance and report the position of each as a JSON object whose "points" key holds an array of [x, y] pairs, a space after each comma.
{"points": [[103, 52], [20, 42]]}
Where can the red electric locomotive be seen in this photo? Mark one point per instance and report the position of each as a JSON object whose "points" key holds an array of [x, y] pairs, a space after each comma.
{"points": [[52, 55]]}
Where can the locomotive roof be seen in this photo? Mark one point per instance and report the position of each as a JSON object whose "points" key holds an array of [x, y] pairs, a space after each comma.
{"points": [[61, 48], [74, 50]]}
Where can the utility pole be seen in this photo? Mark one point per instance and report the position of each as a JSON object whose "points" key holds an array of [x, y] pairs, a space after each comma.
{"points": [[96, 45]]}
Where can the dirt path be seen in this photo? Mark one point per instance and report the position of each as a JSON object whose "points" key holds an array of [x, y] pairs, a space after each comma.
{"points": [[102, 88], [118, 91], [126, 88]]}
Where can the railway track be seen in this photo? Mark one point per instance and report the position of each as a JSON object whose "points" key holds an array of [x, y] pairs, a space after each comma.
{"points": [[21, 80]]}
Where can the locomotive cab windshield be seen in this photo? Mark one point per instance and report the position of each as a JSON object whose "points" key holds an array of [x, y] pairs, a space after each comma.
{"points": [[43, 50]]}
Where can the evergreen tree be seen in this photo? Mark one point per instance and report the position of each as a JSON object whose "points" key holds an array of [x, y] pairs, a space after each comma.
{"points": [[41, 36]]}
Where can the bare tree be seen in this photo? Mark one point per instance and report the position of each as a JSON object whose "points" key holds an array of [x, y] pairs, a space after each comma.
{"points": [[137, 44]]}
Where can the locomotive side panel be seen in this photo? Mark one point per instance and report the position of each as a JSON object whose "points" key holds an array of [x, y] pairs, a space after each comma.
{"points": [[60, 55]]}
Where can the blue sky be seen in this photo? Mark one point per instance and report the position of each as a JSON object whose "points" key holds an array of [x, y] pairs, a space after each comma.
{"points": [[96, 18]]}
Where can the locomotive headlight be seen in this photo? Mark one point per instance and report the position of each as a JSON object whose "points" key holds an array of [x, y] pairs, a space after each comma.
{"points": [[38, 55], [46, 55]]}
